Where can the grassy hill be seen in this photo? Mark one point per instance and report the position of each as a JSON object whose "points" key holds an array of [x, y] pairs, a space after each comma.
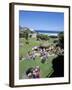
{"points": [[45, 69]]}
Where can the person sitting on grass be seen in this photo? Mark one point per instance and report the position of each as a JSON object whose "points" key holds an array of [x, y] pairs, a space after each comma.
{"points": [[33, 72], [29, 75], [36, 72], [44, 56], [41, 52]]}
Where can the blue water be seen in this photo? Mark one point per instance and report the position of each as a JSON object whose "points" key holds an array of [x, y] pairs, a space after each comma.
{"points": [[45, 31], [54, 33]]}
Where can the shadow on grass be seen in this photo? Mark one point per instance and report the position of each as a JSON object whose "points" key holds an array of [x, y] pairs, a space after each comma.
{"points": [[58, 66]]}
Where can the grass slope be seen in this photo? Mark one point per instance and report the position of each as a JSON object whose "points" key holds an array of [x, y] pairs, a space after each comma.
{"points": [[45, 69]]}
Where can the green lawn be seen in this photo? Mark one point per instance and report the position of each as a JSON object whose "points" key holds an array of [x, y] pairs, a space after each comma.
{"points": [[45, 69]]}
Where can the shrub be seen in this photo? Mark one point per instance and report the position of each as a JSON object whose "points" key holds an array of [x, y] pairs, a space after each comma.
{"points": [[61, 39], [42, 37]]}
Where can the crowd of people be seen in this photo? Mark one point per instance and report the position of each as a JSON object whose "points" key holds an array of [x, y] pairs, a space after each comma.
{"points": [[33, 72], [44, 53]]}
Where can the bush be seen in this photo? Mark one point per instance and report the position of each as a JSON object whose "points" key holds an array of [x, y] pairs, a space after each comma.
{"points": [[42, 37], [61, 39], [27, 42], [55, 41], [53, 36]]}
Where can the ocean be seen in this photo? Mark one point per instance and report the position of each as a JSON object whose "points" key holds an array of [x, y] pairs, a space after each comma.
{"points": [[49, 33]]}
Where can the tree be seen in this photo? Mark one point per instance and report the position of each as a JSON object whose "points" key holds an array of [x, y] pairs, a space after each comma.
{"points": [[24, 32], [26, 35]]}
